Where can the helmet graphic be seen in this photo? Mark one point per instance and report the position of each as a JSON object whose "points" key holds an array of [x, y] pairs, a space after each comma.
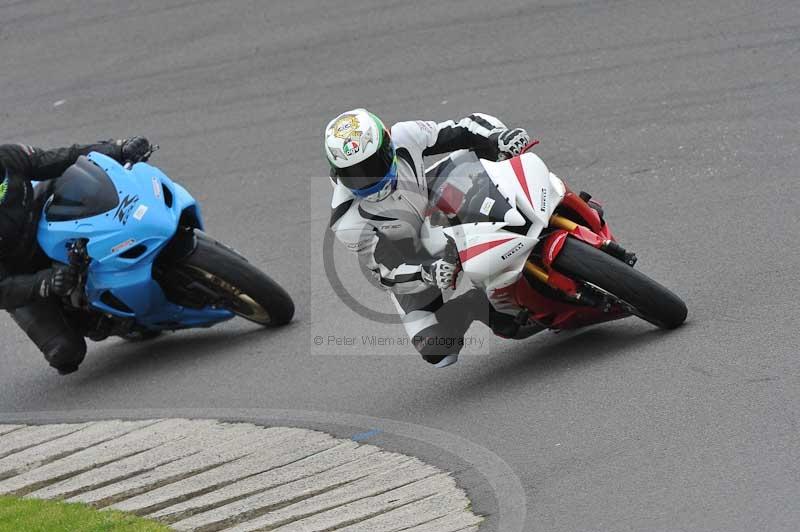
{"points": [[360, 151]]}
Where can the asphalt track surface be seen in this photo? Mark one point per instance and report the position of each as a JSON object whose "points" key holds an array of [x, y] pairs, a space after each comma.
{"points": [[681, 116]]}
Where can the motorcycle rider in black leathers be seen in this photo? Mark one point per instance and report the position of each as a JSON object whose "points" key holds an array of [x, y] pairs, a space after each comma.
{"points": [[380, 198], [30, 284]]}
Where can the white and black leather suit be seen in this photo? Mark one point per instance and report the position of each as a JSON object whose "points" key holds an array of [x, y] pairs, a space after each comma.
{"points": [[386, 234]]}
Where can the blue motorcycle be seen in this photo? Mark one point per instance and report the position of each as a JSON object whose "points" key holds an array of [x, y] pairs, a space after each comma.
{"points": [[147, 265]]}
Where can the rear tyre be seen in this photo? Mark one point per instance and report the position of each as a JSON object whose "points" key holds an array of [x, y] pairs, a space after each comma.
{"points": [[242, 288], [638, 293]]}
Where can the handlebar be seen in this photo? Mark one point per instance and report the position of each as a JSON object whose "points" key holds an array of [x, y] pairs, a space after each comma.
{"points": [[150, 151]]}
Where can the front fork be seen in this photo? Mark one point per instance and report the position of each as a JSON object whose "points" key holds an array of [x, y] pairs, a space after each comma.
{"points": [[598, 236]]}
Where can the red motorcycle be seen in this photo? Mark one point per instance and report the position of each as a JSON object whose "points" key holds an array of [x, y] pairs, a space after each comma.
{"points": [[526, 238]]}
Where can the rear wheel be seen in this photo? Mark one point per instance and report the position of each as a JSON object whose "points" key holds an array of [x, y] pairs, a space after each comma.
{"points": [[238, 285], [639, 294]]}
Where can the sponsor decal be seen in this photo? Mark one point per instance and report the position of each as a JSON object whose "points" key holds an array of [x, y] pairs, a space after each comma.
{"points": [[156, 187], [543, 208], [122, 245], [425, 126], [3, 190], [354, 140], [486, 208], [140, 212], [351, 147], [127, 204], [346, 127], [359, 246], [512, 251]]}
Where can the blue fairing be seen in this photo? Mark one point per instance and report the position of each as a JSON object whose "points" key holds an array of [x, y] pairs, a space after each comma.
{"points": [[123, 243]]}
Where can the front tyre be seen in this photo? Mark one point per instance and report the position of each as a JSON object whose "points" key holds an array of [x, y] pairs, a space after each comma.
{"points": [[638, 293], [241, 287]]}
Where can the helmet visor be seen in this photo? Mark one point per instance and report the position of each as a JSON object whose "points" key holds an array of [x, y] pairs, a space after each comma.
{"points": [[370, 171], [380, 190]]}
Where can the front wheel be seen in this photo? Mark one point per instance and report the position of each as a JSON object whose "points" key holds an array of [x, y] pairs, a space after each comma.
{"points": [[636, 292], [240, 287]]}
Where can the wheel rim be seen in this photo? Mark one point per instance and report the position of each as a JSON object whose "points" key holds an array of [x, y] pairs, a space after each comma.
{"points": [[237, 301]]}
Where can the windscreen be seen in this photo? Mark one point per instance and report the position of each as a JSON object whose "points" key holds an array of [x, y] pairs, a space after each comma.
{"points": [[463, 192], [84, 190]]}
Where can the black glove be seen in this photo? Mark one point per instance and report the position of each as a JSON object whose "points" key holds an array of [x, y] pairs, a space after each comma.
{"points": [[510, 143], [58, 281], [135, 149]]}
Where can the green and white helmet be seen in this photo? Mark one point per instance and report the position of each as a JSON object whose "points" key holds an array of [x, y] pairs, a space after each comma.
{"points": [[360, 151]]}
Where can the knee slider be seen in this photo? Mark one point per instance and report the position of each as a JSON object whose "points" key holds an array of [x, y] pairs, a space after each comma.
{"points": [[63, 353]]}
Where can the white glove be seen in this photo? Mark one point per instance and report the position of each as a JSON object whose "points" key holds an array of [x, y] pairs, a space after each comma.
{"points": [[511, 142], [441, 274]]}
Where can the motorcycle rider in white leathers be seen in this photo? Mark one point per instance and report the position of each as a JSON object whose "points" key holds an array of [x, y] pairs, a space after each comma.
{"points": [[380, 199]]}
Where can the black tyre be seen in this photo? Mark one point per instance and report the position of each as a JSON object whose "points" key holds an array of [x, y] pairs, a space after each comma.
{"points": [[242, 288], [638, 293]]}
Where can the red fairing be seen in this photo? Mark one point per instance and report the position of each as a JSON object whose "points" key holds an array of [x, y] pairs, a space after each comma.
{"points": [[573, 202], [582, 233], [596, 234], [562, 282], [557, 314], [552, 247]]}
